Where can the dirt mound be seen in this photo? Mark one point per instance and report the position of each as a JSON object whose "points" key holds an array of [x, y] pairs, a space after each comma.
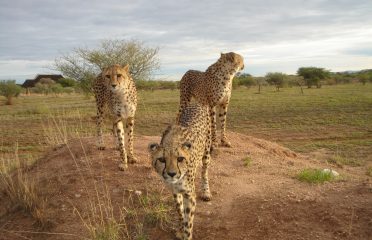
{"points": [[260, 201]]}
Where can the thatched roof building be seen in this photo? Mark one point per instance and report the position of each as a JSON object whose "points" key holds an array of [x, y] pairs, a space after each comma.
{"points": [[29, 83]]}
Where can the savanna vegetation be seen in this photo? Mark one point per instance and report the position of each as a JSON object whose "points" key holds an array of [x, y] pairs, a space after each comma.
{"points": [[336, 118]]}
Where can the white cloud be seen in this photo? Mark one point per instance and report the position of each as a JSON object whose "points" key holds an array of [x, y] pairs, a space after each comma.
{"points": [[272, 35]]}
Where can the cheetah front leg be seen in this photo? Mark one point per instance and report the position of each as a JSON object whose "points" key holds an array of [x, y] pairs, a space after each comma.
{"points": [[189, 203], [123, 155], [99, 123], [222, 115], [206, 193], [178, 198], [129, 129]]}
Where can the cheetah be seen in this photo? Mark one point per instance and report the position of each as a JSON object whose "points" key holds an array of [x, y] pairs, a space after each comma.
{"points": [[212, 88], [182, 148], [114, 88]]}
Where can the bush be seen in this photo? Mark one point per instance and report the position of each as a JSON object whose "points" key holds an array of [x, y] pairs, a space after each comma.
{"points": [[67, 82], [277, 79], [9, 89], [243, 80], [48, 88]]}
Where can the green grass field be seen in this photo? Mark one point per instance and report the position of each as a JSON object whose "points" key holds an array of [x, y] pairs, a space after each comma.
{"points": [[334, 118]]}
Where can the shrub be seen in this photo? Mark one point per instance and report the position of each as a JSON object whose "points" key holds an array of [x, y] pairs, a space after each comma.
{"points": [[243, 80], [9, 89], [67, 82], [277, 79]]}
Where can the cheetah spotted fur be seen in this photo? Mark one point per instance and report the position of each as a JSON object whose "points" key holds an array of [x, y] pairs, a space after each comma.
{"points": [[114, 89], [212, 88], [182, 148]]}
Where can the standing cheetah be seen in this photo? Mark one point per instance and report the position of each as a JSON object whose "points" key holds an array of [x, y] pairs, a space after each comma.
{"points": [[115, 88], [182, 148], [212, 88]]}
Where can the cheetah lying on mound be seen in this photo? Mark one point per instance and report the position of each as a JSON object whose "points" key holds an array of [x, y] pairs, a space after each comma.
{"points": [[115, 88], [182, 148], [212, 88]]}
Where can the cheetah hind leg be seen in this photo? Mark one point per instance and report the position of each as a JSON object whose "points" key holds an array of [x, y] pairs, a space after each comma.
{"points": [[222, 116], [213, 126], [115, 134]]}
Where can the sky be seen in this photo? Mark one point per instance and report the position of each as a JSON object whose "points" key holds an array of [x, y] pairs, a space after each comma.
{"points": [[272, 36]]}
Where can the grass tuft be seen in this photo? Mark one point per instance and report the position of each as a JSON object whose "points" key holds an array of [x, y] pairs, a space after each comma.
{"points": [[22, 192], [369, 171], [247, 161], [314, 176]]}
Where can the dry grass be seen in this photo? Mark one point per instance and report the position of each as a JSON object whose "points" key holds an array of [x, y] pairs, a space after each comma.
{"points": [[101, 218], [101, 221], [22, 191]]}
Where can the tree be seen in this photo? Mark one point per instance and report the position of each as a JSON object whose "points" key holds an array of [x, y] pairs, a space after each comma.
{"points": [[67, 82], [313, 75], [83, 64], [244, 79], [9, 89], [277, 78], [365, 76]]}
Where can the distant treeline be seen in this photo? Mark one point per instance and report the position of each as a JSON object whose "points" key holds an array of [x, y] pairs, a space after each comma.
{"points": [[306, 77], [276, 79]]}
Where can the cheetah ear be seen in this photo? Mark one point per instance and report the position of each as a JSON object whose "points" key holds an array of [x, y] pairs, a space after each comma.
{"points": [[230, 57], [222, 54], [126, 68], [186, 146], [153, 147]]}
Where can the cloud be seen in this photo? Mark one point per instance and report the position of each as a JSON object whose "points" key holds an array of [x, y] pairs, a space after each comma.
{"points": [[272, 35]]}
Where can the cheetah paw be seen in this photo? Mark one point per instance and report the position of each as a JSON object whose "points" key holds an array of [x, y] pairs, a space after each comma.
{"points": [[179, 235], [123, 166], [225, 144], [132, 159], [206, 196]]}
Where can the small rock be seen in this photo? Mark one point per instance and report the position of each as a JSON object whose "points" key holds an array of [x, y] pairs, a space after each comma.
{"points": [[332, 172], [77, 195], [138, 192], [115, 190]]}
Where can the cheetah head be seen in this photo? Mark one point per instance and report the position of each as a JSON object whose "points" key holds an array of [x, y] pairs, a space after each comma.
{"points": [[116, 77], [235, 60], [170, 157]]}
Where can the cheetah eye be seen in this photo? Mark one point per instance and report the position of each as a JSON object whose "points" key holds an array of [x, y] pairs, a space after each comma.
{"points": [[118, 75], [107, 76], [180, 159], [161, 159]]}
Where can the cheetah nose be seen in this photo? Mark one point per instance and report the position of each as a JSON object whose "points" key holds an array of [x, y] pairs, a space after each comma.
{"points": [[172, 174], [113, 85]]}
